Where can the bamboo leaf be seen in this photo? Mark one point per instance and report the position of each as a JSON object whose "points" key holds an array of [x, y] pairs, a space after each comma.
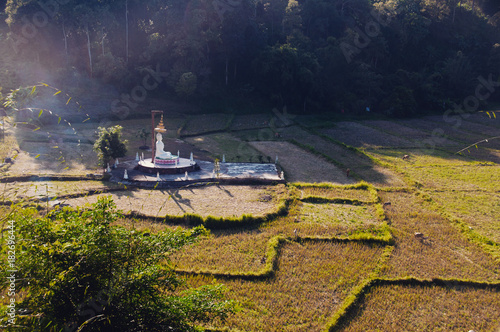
{"points": [[58, 92], [44, 84], [36, 129], [40, 114], [87, 119], [38, 155], [488, 114], [476, 146], [494, 115], [33, 90], [68, 100], [59, 120]]}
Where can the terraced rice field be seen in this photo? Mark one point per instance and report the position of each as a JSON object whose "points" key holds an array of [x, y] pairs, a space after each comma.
{"points": [[342, 255]]}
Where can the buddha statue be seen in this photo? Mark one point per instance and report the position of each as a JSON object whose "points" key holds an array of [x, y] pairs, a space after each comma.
{"points": [[160, 152]]}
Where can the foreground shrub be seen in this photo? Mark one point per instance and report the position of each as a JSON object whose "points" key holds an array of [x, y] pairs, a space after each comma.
{"points": [[81, 273]]}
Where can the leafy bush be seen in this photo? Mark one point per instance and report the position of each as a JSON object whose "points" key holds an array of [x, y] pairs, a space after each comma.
{"points": [[109, 144], [81, 273]]}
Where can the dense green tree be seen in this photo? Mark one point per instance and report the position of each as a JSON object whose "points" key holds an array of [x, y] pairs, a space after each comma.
{"points": [[109, 144], [81, 272], [288, 74]]}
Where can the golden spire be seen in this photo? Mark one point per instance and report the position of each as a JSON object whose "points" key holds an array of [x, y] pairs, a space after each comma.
{"points": [[161, 127]]}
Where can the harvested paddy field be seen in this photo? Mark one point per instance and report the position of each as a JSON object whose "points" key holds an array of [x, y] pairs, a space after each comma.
{"points": [[326, 214], [337, 193], [359, 164], [357, 135], [235, 200], [206, 123], [466, 177], [399, 130], [443, 134], [251, 121], [311, 282], [300, 165], [299, 269], [465, 125], [13, 191], [446, 253], [336, 220], [224, 144], [226, 251], [427, 308], [478, 209], [443, 170], [484, 119]]}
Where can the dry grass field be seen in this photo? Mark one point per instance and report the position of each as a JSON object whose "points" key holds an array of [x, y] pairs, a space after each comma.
{"points": [[300, 165], [236, 200], [359, 164], [206, 123], [358, 135], [342, 255], [333, 192], [423, 308], [312, 280]]}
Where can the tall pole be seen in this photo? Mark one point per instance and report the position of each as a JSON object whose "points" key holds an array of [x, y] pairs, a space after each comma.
{"points": [[153, 145]]}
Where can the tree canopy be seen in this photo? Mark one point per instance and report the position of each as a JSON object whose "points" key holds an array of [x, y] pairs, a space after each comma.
{"points": [[307, 55]]}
